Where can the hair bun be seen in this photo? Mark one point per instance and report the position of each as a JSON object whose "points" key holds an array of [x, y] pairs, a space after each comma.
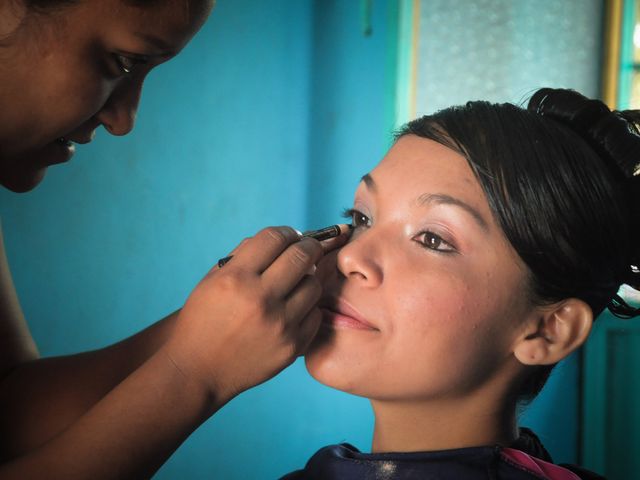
{"points": [[632, 277], [615, 137]]}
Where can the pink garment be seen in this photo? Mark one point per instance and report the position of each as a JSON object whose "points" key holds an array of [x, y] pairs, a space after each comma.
{"points": [[545, 470]]}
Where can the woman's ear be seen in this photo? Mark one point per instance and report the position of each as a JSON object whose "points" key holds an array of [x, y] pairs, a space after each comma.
{"points": [[554, 332]]}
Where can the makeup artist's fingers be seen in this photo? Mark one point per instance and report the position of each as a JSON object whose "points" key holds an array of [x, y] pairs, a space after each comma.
{"points": [[291, 266], [240, 245], [308, 330], [302, 299], [232, 334], [261, 250], [217, 266], [336, 242]]}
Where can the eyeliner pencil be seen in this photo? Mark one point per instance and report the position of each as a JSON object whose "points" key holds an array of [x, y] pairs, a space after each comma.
{"points": [[322, 234]]}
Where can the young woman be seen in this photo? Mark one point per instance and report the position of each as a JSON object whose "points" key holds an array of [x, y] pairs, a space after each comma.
{"points": [[68, 67], [486, 242]]}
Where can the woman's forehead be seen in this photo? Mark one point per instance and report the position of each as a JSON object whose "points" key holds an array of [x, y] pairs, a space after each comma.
{"points": [[415, 163], [168, 22]]}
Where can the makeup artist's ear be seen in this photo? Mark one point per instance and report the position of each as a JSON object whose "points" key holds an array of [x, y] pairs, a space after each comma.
{"points": [[553, 332]]}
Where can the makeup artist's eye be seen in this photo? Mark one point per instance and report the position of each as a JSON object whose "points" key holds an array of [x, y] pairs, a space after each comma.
{"points": [[127, 65], [433, 241], [358, 219]]}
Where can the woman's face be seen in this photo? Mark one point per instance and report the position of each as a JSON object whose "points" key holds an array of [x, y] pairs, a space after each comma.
{"points": [[66, 72], [428, 296]]}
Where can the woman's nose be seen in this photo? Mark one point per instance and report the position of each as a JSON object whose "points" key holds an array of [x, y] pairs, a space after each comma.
{"points": [[358, 260], [118, 114]]}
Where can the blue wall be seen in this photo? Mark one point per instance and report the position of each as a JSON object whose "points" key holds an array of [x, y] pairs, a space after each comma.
{"points": [[269, 116], [349, 89]]}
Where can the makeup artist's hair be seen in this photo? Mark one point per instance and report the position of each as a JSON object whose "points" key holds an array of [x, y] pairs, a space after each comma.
{"points": [[44, 6], [562, 178], [37, 10]]}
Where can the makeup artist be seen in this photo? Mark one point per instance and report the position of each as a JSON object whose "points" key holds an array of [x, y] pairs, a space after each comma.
{"points": [[67, 68]]}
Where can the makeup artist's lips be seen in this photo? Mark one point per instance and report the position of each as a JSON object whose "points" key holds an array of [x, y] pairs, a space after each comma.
{"points": [[82, 140], [339, 314], [63, 148], [58, 151]]}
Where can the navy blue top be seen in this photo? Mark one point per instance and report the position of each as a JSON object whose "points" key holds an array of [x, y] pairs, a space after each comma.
{"points": [[487, 463]]}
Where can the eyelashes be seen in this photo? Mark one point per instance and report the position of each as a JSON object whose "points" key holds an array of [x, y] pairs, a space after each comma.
{"points": [[358, 219], [433, 241], [426, 238]]}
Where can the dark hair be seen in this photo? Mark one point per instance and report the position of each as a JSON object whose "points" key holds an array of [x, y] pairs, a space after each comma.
{"points": [[42, 9], [45, 6], [562, 179]]}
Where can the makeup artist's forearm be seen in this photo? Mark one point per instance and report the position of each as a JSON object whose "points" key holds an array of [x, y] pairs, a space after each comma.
{"points": [[39, 399], [127, 434]]}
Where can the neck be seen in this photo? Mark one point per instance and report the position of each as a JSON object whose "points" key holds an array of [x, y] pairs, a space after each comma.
{"points": [[441, 425]]}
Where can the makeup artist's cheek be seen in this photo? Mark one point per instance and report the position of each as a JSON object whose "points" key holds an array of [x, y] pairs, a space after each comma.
{"points": [[90, 79]]}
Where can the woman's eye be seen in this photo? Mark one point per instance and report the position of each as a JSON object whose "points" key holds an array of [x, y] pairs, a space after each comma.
{"points": [[358, 219], [434, 241], [128, 64]]}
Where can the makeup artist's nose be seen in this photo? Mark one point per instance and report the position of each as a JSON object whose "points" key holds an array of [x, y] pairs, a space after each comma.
{"points": [[358, 260], [118, 114]]}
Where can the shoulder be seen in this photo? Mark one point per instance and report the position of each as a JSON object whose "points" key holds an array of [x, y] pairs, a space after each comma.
{"points": [[480, 463]]}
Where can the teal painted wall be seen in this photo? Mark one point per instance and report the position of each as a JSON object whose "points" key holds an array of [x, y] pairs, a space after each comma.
{"points": [[348, 115], [270, 116]]}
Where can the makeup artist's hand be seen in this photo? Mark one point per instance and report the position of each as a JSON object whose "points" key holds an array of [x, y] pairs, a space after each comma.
{"points": [[246, 322]]}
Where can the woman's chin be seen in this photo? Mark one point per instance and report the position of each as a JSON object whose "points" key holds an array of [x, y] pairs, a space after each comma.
{"points": [[324, 365], [320, 365]]}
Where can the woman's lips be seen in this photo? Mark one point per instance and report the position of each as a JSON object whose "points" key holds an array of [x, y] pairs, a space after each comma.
{"points": [[342, 315]]}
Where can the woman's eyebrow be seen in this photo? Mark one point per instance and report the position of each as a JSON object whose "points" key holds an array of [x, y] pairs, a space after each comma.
{"points": [[165, 50], [438, 198], [444, 199]]}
